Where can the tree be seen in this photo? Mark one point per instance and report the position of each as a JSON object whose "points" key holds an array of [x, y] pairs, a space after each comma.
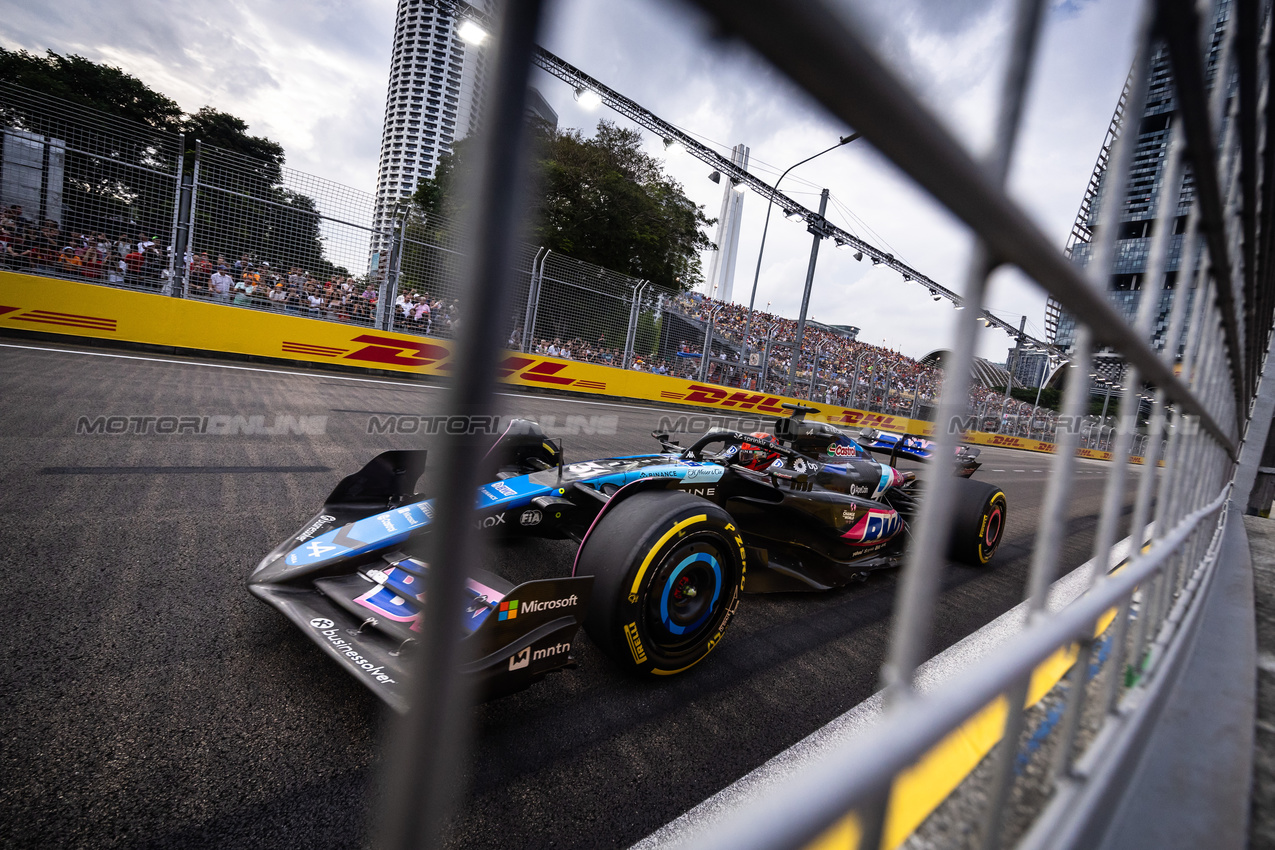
{"points": [[226, 131], [106, 190], [601, 200], [103, 87]]}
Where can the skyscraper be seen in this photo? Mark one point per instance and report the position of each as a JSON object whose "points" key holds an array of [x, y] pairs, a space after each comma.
{"points": [[1136, 220], [434, 98]]}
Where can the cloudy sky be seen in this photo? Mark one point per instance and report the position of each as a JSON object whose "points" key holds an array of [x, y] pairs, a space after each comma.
{"points": [[312, 76]]}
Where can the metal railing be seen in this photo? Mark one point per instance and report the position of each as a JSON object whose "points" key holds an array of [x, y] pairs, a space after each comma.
{"points": [[1203, 408], [1201, 400]]}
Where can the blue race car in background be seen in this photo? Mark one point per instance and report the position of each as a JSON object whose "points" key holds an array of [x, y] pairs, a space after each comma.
{"points": [[667, 542]]}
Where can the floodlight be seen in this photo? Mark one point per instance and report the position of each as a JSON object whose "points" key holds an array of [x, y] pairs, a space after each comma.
{"points": [[471, 32], [588, 98]]}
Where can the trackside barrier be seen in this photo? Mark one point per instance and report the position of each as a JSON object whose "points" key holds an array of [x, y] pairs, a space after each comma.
{"points": [[51, 305], [1196, 102]]}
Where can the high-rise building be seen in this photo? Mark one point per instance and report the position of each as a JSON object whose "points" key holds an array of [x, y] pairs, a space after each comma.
{"points": [[1136, 219], [721, 266], [434, 98]]}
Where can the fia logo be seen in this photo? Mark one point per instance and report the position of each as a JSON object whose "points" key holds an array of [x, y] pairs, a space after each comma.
{"points": [[521, 659]]}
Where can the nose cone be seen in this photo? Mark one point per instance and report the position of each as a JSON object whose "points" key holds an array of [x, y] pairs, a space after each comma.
{"points": [[274, 568]]}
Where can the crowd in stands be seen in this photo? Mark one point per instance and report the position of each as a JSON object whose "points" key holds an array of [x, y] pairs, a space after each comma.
{"points": [[43, 248], [885, 379], [849, 372], [245, 283]]}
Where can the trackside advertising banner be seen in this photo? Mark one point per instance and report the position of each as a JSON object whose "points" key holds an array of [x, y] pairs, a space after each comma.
{"points": [[102, 312]]}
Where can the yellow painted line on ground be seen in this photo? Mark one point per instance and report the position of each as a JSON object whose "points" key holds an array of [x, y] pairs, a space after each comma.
{"points": [[920, 789]]}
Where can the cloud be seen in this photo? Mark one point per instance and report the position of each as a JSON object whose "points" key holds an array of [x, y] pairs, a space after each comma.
{"points": [[313, 77]]}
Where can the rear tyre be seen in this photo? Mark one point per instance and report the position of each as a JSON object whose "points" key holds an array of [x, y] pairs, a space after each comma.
{"points": [[978, 523], [668, 568]]}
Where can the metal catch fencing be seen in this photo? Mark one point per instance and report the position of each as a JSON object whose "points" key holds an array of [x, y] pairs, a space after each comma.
{"points": [[1201, 384], [146, 209], [259, 235], [102, 187]]}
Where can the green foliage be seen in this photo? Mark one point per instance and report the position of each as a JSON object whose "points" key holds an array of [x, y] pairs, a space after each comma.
{"points": [[601, 200], [103, 87], [120, 201], [224, 130]]}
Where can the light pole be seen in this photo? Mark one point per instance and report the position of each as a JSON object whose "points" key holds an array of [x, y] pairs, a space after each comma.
{"points": [[816, 229], [770, 205], [1049, 376]]}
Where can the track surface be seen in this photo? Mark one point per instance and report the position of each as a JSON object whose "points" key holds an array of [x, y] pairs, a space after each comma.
{"points": [[149, 701]]}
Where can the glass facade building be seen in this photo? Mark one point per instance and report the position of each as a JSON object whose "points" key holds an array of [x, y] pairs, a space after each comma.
{"points": [[1136, 219]]}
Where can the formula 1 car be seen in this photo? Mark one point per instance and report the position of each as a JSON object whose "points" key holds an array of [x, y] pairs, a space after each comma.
{"points": [[666, 541]]}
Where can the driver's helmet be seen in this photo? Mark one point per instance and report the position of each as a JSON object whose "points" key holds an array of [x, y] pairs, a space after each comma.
{"points": [[759, 455]]}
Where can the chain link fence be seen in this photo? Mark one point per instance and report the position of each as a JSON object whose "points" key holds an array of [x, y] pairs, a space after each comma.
{"points": [[259, 235], [85, 195]]}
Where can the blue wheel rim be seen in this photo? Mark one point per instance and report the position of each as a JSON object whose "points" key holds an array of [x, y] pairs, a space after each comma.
{"points": [[666, 614]]}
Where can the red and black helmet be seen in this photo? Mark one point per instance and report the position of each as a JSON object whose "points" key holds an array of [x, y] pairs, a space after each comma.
{"points": [[758, 455]]}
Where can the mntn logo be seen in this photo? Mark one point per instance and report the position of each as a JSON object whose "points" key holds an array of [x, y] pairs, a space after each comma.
{"points": [[520, 659], [509, 609]]}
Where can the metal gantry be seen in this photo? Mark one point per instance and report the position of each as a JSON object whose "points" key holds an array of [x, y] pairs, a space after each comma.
{"points": [[814, 221]]}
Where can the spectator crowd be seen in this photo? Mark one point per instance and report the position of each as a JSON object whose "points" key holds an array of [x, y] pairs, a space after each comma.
{"points": [[845, 371]]}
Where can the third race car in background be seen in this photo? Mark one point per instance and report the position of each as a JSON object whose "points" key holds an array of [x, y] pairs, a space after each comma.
{"points": [[667, 541]]}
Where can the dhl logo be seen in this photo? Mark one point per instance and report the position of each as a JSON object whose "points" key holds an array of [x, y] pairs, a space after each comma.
{"points": [[719, 397], [861, 417], [70, 320], [391, 351], [398, 352]]}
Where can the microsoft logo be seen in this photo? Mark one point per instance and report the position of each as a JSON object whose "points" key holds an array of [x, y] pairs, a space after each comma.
{"points": [[509, 609]]}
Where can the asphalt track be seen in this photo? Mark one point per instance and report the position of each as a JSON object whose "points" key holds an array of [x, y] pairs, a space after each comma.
{"points": [[149, 701]]}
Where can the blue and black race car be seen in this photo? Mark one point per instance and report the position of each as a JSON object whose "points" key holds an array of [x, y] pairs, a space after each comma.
{"points": [[667, 542]]}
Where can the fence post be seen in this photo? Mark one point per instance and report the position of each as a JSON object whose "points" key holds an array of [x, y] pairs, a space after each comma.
{"points": [[180, 191], [181, 230], [382, 289], [814, 373], [533, 293], [533, 306], [190, 215], [396, 265], [708, 346], [630, 338]]}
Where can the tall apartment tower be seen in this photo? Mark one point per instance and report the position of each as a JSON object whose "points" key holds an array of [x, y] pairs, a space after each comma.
{"points": [[721, 267], [434, 98], [1136, 219]]}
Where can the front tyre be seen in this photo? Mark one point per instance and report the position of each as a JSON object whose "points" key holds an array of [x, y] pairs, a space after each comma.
{"points": [[668, 568], [978, 523]]}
